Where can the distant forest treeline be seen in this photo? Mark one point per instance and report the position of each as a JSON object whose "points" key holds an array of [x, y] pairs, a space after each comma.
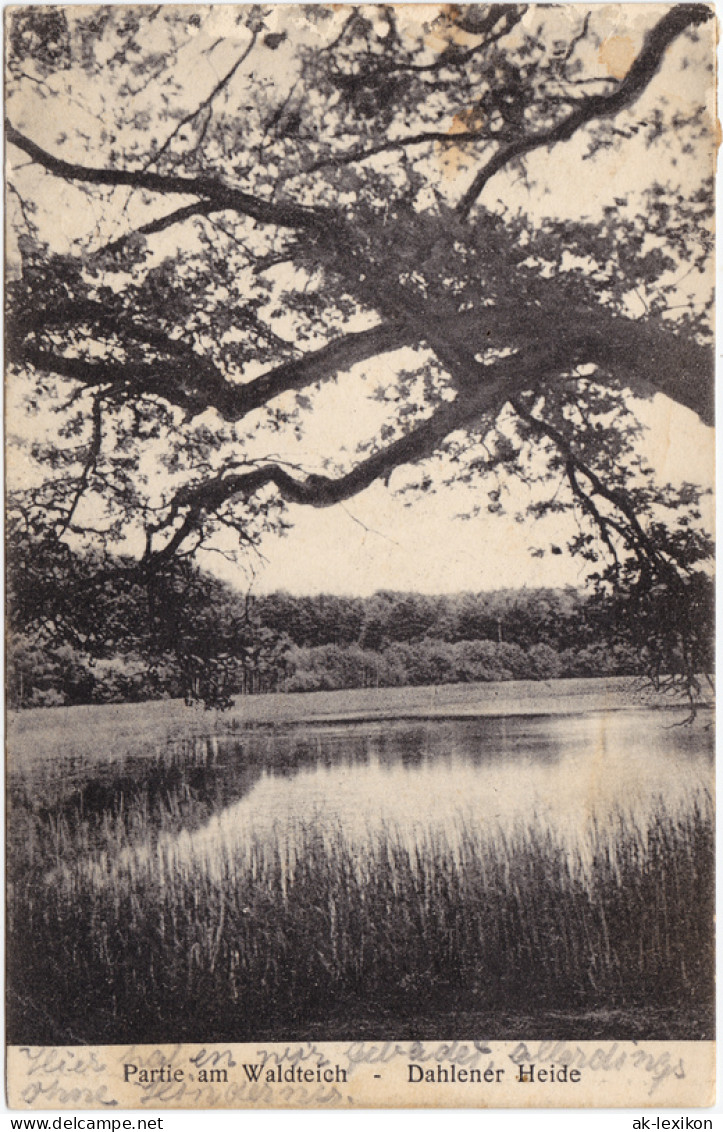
{"points": [[199, 638]]}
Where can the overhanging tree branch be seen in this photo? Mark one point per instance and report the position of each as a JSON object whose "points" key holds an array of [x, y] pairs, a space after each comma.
{"points": [[497, 383], [634, 534], [178, 216], [206, 103], [645, 66], [192, 382], [648, 356], [213, 191], [424, 137], [88, 468]]}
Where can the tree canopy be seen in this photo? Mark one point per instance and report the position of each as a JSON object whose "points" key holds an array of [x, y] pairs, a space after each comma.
{"points": [[219, 211]]}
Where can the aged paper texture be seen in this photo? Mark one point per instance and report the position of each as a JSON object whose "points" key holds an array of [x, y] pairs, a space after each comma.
{"points": [[359, 458]]}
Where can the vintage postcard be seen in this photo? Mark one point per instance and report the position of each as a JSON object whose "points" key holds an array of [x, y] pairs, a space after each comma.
{"points": [[359, 555]]}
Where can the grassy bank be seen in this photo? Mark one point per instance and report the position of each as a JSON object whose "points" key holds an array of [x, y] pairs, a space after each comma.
{"points": [[110, 942]]}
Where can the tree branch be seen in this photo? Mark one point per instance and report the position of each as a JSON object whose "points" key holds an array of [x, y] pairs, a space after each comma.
{"points": [[352, 156], [93, 313], [199, 208], [603, 522], [645, 66], [214, 192], [635, 536], [496, 383], [206, 103], [648, 355], [195, 384], [315, 491], [88, 468]]}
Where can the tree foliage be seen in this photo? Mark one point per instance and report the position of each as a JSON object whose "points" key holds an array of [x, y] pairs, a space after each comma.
{"points": [[188, 634], [259, 201]]}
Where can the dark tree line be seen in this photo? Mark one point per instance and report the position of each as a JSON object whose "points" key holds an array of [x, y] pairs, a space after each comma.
{"points": [[76, 638]]}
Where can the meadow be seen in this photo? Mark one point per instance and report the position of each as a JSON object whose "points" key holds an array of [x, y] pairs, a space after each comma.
{"points": [[115, 936]]}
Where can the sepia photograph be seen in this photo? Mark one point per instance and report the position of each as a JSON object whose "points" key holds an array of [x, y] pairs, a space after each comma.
{"points": [[359, 555]]}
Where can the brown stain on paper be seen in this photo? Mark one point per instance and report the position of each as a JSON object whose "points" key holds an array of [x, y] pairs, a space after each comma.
{"points": [[444, 33], [452, 157], [617, 55]]}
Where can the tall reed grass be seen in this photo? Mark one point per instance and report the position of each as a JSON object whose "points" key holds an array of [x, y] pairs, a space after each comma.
{"points": [[113, 936]]}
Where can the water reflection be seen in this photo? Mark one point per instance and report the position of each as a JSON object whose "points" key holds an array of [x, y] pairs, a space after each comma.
{"points": [[432, 778]]}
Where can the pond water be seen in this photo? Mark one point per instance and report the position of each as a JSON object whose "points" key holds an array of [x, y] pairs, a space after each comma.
{"points": [[421, 779]]}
